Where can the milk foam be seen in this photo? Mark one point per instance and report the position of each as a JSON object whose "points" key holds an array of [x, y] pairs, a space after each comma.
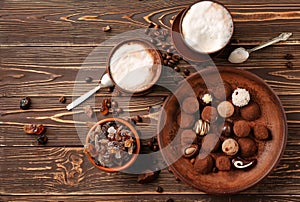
{"points": [[132, 67], [207, 27]]}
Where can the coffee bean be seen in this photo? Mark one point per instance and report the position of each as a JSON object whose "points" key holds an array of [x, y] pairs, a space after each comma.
{"points": [[151, 25], [138, 118], [288, 56], [62, 99], [289, 65], [157, 26], [25, 103], [107, 28], [165, 46], [168, 57], [186, 72], [176, 68], [149, 143], [159, 189], [172, 61], [170, 64], [165, 62], [88, 79], [42, 139], [170, 200], [114, 104], [147, 177], [154, 148], [119, 110], [164, 55]]}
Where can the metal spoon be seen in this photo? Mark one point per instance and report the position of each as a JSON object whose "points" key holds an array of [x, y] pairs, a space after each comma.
{"points": [[241, 54], [105, 82]]}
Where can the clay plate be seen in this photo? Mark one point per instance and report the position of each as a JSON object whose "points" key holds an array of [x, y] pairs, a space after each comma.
{"points": [[268, 154]]}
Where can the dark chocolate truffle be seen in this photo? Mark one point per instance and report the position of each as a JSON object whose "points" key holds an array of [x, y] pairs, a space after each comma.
{"points": [[185, 120], [209, 114], [222, 91], [241, 128], [226, 129], [188, 137], [204, 163], [210, 142], [247, 147], [223, 163], [250, 112], [260, 132], [190, 105]]}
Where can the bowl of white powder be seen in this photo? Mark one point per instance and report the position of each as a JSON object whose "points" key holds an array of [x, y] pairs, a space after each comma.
{"points": [[206, 27], [134, 66]]}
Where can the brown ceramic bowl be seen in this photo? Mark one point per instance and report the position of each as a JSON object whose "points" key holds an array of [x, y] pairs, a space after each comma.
{"points": [[183, 48], [157, 67], [134, 155], [236, 180]]}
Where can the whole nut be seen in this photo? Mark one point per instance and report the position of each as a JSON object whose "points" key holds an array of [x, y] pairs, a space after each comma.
{"points": [[191, 151], [230, 147]]}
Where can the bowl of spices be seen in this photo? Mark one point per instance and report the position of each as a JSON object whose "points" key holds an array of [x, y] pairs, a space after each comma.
{"points": [[112, 145]]}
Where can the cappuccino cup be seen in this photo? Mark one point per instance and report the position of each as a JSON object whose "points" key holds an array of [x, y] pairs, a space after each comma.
{"points": [[206, 27]]}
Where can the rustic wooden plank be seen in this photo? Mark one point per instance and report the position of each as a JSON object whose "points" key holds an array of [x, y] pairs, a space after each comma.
{"points": [[121, 197], [66, 171], [70, 23], [156, 197]]}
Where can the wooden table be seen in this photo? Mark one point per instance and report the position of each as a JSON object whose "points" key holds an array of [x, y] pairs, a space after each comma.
{"points": [[43, 45]]}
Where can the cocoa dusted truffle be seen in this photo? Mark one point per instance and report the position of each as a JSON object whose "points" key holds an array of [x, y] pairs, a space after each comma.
{"points": [[188, 137], [209, 114], [222, 90], [241, 128], [223, 163], [250, 112], [210, 142], [248, 147], [260, 132], [190, 105], [204, 163], [225, 109], [185, 120]]}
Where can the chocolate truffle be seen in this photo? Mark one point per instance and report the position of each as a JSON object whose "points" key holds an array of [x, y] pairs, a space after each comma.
{"points": [[223, 163], [241, 128], [204, 163], [247, 147], [240, 97], [188, 137], [209, 114], [201, 127], [226, 129], [185, 120], [225, 109], [206, 99], [210, 142], [230, 147], [222, 91], [260, 132], [190, 105], [250, 112]]}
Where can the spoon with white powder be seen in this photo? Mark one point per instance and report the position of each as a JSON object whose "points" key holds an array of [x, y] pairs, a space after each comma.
{"points": [[241, 54], [105, 82]]}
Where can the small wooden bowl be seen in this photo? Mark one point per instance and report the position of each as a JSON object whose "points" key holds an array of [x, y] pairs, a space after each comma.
{"points": [[268, 154], [183, 48], [157, 64], [134, 155]]}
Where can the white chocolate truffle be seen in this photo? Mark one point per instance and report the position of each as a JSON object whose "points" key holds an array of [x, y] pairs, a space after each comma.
{"points": [[230, 147], [240, 97], [206, 98]]}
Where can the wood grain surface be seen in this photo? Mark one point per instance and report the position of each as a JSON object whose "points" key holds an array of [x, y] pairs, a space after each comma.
{"points": [[43, 46]]}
